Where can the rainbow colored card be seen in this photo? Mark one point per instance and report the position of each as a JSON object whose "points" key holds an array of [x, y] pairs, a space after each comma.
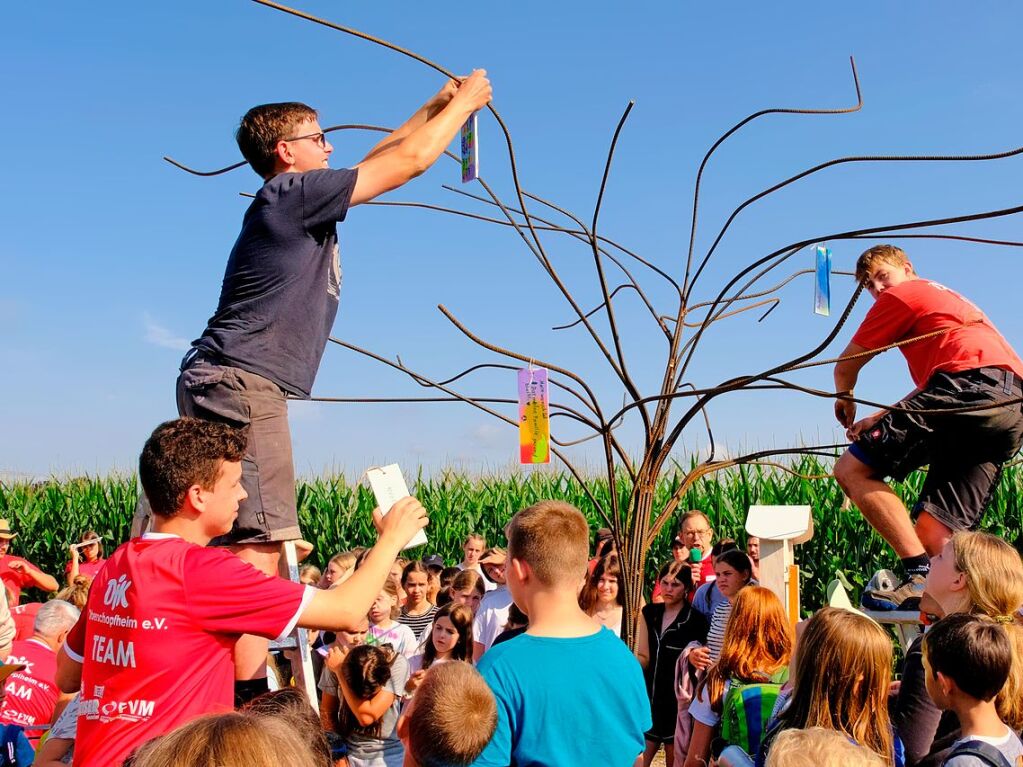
{"points": [[534, 417]]}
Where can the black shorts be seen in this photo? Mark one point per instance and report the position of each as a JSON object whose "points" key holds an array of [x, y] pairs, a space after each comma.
{"points": [[965, 451]]}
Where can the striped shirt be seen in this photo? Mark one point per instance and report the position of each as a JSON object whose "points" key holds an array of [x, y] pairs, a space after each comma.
{"points": [[716, 634], [418, 623]]}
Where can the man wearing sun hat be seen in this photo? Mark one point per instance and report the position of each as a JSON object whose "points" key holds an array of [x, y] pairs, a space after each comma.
{"points": [[18, 573]]}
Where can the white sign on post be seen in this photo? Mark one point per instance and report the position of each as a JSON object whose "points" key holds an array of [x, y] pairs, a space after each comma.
{"points": [[780, 529]]}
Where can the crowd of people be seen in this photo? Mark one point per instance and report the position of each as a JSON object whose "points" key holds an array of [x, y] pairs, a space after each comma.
{"points": [[512, 656], [158, 656]]}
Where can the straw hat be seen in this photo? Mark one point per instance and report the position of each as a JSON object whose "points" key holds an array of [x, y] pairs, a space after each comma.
{"points": [[5, 530]]}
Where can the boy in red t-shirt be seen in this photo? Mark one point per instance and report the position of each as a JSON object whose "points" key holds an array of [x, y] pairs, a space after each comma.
{"points": [[959, 360], [155, 644]]}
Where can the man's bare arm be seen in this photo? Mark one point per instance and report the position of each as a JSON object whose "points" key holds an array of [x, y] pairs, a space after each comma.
{"points": [[423, 115], [420, 149], [847, 371]]}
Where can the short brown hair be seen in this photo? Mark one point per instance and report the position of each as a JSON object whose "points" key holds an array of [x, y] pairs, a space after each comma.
{"points": [[263, 126], [871, 256], [971, 650], [552, 537], [182, 453], [453, 717]]}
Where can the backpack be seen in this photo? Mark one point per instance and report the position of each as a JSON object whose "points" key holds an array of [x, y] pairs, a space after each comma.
{"points": [[978, 749], [9, 746], [747, 708]]}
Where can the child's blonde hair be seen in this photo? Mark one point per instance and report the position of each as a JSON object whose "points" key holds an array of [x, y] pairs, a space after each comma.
{"points": [[994, 581], [819, 747], [345, 560], [229, 740], [842, 674], [553, 538], [391, 588], [453, 717]]}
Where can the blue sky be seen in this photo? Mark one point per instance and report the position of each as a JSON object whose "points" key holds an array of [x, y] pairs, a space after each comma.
{"points": [[112, 259]]}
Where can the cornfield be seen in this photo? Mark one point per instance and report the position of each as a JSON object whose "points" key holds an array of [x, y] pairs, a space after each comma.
{"points": [[335, 515]]}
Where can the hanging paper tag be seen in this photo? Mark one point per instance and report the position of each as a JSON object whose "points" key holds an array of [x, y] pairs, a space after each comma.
{"points": [[470, 149], [822, 285], [534, 416]]}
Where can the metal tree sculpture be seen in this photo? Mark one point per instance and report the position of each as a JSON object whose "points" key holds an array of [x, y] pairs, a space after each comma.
{"points": [[627, 503]]}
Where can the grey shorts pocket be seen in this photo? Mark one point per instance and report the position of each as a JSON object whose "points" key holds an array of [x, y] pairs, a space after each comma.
{"points": [[211, 392]]}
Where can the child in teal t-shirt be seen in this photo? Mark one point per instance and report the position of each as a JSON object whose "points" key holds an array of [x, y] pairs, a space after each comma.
{"points": [[568, 691]]}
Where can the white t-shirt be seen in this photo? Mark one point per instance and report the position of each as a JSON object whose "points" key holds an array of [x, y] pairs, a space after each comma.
{"points": [[491, 616], [700, 708], [398, 635], [1010, 746]]}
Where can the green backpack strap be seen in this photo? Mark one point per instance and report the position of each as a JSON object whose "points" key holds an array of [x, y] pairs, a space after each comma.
{"points": [[747, 709]]}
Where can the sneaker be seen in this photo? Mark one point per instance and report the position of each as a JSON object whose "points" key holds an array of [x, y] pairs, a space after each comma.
{"points": [[905, 596]]}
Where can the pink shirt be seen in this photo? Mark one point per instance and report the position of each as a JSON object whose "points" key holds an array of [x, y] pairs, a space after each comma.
{"points": [[157, 637]]}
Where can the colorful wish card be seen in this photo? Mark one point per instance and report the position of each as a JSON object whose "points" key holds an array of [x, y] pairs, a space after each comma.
{"points": [[822, 284], [470, 149], [534, 416]]}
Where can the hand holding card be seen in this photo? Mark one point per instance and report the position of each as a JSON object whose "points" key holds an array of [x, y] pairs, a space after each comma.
{"points": [[389, 487]]}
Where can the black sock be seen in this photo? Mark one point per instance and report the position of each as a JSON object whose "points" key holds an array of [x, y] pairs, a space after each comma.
{"points": [[247, 689], [918, 565]]}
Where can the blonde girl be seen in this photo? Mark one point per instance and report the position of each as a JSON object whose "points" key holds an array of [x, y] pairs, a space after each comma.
{"points": [[841, 675], [383, 628]]}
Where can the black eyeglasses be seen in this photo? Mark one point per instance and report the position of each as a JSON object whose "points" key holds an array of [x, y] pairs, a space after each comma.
{"points": [[319, 138]]}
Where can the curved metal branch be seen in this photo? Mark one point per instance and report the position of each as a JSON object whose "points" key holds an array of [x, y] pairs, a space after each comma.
{"points": [[557, 369], [706, 468], [699, 175], [539, 250], [243, 163], [687, 417], [841, 161]]}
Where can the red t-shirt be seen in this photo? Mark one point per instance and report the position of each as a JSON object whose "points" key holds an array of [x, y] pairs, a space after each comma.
{"points": [[88, 569], [14, 580], [32, 692], [916, 307], [24, 619], [157, 637]]}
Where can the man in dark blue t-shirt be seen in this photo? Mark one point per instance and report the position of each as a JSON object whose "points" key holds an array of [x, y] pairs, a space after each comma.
{"points": [[280, 296]]}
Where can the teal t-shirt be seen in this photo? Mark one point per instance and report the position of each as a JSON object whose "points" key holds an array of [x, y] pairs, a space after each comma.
{"points": [[566, 702]]}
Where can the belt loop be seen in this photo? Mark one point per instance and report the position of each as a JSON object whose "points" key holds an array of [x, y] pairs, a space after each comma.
{"points": [[1007, 382], [189, 358]]}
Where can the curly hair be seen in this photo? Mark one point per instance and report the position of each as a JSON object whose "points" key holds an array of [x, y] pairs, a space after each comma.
{"points": [[186, 452], [366, 670]]}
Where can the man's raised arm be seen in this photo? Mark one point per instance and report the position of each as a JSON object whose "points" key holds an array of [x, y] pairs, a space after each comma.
{"points": [[388, 169], [343, 607]]}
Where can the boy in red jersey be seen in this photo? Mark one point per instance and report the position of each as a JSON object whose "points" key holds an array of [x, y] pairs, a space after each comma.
{"points": [[155, 644], [964, 362]]}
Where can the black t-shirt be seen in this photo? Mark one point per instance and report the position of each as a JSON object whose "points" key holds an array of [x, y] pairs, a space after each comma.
{"points": [[280, 292]]}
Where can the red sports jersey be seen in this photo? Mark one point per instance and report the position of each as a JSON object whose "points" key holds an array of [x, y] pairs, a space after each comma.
{"points": [[156, 639], [32, 692], [89, 569], [14, 580], [24, 619], [917, 307]]}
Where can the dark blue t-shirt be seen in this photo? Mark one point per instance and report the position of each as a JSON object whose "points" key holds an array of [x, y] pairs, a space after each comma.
{"points": [[280, 292]]}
